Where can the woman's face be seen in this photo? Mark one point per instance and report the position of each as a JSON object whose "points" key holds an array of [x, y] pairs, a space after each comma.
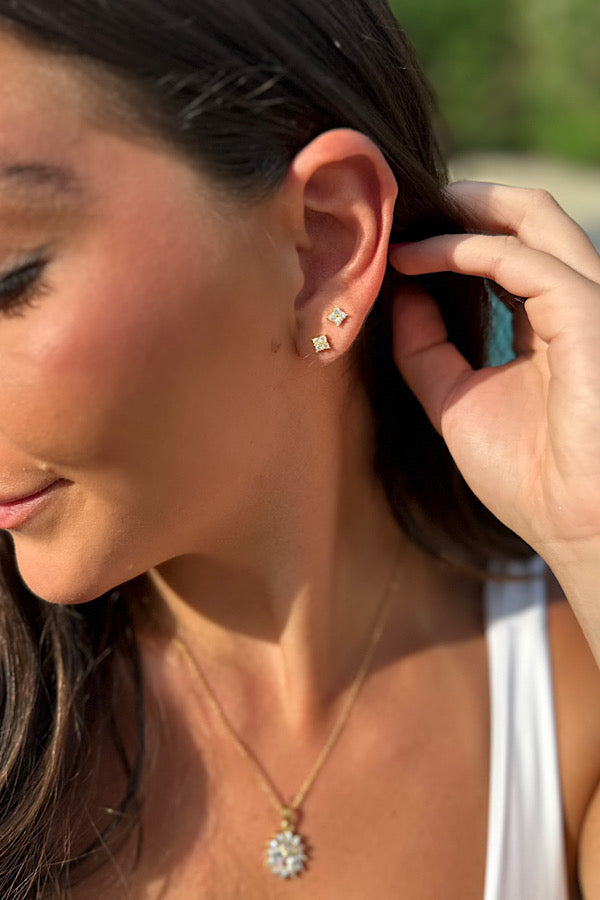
{"points": [[142, 374]]}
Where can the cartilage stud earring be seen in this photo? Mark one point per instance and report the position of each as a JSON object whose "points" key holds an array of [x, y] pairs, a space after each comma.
{"points": [[337, 316], [321, 343]]}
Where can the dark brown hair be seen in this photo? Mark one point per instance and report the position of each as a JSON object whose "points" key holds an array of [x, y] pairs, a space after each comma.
{"points": [[239, 87]]}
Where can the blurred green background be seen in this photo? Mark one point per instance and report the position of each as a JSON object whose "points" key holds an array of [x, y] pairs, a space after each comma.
{"points": [[518, 90], [517, 75]]}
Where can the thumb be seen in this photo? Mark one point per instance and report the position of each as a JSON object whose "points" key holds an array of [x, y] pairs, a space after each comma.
{"points": [[431, 366]]}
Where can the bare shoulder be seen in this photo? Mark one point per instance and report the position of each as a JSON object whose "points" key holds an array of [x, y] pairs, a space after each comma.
{"points": [[577, 703]]}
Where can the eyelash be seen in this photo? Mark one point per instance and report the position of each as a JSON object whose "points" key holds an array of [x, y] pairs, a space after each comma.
{"points": [[20, 288]]}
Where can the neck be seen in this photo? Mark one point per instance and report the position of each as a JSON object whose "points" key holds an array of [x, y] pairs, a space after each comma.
{"points": [[289, 598]]}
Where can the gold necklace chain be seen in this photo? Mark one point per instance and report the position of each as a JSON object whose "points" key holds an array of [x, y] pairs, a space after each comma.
{"points": [[286, 853]]}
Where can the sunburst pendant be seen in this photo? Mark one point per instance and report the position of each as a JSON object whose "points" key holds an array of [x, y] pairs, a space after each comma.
{"points": [[286, 855]]}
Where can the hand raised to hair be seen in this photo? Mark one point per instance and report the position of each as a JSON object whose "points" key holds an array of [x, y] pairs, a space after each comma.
{"points": [[526, 435]]}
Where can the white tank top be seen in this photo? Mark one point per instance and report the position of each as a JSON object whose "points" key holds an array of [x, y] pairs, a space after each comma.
{"points": [[525, 848]]}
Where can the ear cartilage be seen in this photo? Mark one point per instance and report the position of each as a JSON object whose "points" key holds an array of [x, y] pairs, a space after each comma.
{"points": [[321, 343], [337, 316]]}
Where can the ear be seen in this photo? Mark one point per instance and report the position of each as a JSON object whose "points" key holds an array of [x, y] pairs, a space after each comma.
{"points": [[343, 192]]}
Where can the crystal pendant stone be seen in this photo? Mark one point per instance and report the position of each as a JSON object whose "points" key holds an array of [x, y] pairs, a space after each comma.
{"points": [[286, 854]]}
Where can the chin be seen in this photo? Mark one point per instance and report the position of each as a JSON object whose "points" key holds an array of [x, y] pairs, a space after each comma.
{"points": [[56, 582], [61, 591]]}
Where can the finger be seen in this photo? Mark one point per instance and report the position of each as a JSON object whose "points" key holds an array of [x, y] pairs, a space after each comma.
{"points": [[525, 340], [534, 216], [504, 259], [431, 366], [567, 296]]}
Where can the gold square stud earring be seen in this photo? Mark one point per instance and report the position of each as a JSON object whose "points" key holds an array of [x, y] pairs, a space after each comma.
{"points": [[321, 343], [337, 316]]}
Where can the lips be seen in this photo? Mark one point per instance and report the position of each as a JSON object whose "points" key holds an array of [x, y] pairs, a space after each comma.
{"points": [[16, 511]]}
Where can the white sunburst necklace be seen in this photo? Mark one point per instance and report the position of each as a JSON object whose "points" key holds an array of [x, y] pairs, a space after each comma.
{"points": [[286, 854]]}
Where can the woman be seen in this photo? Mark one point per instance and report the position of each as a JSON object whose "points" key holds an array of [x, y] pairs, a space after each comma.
{"points": [[264, 563]]}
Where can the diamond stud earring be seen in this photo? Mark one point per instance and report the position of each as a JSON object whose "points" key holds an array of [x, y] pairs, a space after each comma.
{"points": [[321, 343], [337, 316]]}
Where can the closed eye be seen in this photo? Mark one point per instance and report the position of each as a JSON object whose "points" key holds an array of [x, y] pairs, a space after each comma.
{"points": [[20, 287]]}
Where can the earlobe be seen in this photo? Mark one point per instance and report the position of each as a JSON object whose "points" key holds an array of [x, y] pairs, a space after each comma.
{"points": [[347, 193]]}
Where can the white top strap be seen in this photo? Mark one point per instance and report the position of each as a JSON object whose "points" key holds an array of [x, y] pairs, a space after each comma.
{"points": [[525, 848]]}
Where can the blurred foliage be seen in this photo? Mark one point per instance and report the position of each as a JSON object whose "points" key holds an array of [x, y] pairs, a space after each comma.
{"points": [[512, 74]]}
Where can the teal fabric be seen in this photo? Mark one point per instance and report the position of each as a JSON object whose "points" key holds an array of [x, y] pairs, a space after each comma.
{"points": [[500, 346]]}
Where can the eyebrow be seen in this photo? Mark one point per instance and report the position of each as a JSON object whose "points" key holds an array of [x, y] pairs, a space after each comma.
{"points": [[41, 176]]}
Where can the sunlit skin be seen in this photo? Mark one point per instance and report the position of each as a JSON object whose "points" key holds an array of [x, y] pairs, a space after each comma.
{"points": [[129, 377], [164, 371]]}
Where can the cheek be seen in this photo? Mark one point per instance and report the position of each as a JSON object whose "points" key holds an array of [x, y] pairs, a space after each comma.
{"points": [[108, 357], [148, 380], [87, 371]]}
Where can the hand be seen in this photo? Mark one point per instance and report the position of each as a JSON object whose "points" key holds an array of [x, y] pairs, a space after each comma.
{"points": [[526, 435]]}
